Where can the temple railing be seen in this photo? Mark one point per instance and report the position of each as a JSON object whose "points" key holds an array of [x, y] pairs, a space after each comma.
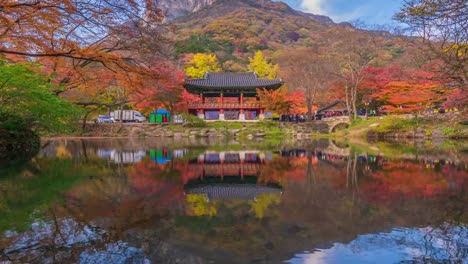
{"points": [[224, 105]]}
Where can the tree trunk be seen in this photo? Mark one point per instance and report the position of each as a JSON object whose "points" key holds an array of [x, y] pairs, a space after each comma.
{"points": [[121, 114], [309, 108], [354, 102], [347, 95], [85, 118]]}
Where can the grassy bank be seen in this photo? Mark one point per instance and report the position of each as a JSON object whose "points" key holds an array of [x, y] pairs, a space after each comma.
{"points": [[441, 126]]}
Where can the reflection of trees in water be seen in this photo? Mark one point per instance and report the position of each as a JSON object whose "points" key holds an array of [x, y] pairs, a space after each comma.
{"points": [[112, 205], [327, 198]]}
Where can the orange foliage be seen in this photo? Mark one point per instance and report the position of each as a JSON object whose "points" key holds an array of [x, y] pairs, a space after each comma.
{"points": [[166, 93], [280, 101], [81, 31], [97, 53], [402, 90]]}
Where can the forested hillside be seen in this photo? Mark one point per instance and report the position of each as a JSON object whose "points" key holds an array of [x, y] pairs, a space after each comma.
{"points": [[235, 29], [321, 59]]}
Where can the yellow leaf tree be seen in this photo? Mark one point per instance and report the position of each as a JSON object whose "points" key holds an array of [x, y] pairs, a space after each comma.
{"points": [[202, 63], [262, 67]]}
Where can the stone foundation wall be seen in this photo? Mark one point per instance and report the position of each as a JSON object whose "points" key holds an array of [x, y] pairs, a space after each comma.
{"points": [[301, 130]]}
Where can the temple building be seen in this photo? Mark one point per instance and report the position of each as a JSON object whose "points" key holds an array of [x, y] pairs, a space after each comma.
{"points": [[229, 96]]}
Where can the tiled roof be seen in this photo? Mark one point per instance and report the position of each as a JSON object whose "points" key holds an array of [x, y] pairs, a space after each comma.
{"points": [[331, 105], [233, 191], [231, 80]]}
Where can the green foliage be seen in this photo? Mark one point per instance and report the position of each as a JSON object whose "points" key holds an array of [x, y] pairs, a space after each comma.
{"points": [[196, 44], [397, 51], [201, 64], [17, 141], [262, 67], [12, 122], [200, 205], [26, 99], [226, 125], [268, 124], [24, 196], [395, 124], [193, 121], [449, 131], [263, 202]]}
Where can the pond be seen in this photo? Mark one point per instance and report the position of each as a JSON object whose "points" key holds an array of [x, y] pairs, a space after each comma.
{"points": [[214, 201]]}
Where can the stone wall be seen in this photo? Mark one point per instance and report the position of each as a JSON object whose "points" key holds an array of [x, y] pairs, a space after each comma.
{"points": [[249, 130]]}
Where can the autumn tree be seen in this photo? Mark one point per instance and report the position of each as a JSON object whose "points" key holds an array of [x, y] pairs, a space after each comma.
{"points": [[111, 33], [166, 93], [200, 64], [404, 90], [279, 101], [260, 65], [95, 52], [443, 27], [93, 87], [349, 63], [304, 70]]}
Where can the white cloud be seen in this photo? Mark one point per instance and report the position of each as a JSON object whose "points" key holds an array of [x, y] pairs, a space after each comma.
{"points": [[359, 12], [325, 7], [314, 6]]}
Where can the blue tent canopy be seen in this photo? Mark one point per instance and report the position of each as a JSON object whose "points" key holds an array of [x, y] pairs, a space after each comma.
{"points": [[162, 111]]}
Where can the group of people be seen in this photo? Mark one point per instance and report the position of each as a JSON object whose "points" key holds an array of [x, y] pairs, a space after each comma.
{"points": [[304, 117], [293, 118], [363, 112], [441, 110], [331, 114]]}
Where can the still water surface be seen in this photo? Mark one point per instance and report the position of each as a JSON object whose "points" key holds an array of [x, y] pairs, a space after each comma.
{"points": [[172, 201]]}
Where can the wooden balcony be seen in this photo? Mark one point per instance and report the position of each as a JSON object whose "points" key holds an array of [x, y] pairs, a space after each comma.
{"points": [[224, 106]]}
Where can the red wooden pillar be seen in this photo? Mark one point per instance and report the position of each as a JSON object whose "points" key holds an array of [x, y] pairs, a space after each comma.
{"points": [[242, 98], [242, 169], [221, 111]]}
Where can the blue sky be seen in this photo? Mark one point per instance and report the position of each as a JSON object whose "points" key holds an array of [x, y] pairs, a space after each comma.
{"points": [[370, 11]]}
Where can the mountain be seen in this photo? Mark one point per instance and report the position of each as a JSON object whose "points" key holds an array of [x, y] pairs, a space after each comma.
{"points": [[235, 29], [177, 8]]}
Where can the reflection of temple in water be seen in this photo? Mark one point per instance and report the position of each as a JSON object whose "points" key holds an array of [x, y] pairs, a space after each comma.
{"points": [[229, 175], [121, 156], [229, 165]]}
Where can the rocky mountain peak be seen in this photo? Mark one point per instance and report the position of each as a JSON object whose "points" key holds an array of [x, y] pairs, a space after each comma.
{"points": [[178, 8]]}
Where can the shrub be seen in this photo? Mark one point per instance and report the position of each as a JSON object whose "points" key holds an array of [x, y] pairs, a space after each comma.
{"points": [[193, 121], [449, 131]]}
